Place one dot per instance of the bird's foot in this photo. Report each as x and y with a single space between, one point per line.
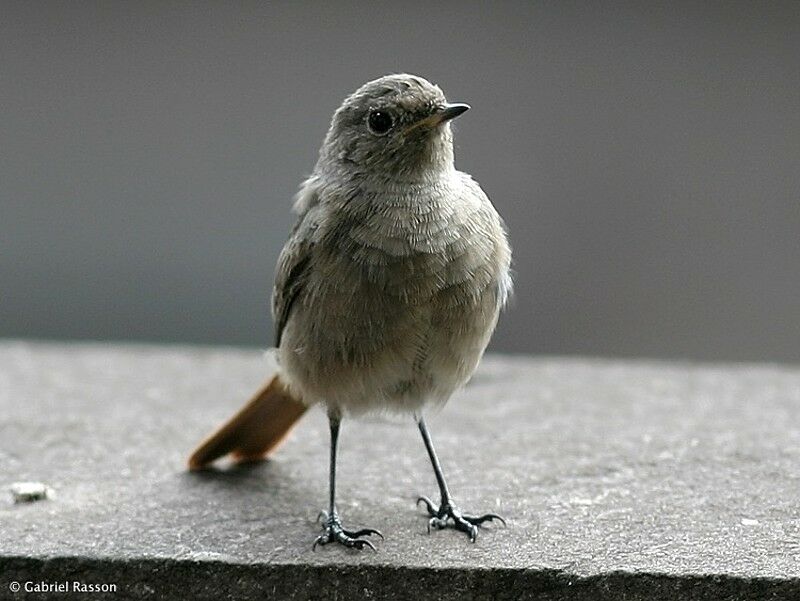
448 514
332 532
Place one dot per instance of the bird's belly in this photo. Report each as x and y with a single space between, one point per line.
397 343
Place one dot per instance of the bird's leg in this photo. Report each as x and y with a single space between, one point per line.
441 516
332 530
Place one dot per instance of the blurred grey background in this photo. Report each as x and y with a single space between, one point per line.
646 158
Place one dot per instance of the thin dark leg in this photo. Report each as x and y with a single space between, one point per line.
437 468
332 525
440 516
334 422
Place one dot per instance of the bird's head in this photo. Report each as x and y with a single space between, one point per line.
397 126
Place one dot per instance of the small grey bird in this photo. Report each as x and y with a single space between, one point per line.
388 289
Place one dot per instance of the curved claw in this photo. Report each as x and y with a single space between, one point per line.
361 543
323 515
363 532
321 540
484 518
432 510
470 529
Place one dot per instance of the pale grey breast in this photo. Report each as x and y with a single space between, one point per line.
398 291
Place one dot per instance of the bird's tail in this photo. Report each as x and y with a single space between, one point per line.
255 430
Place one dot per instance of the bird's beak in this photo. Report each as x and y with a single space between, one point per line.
442 115
450 111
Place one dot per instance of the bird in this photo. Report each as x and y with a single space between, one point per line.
387 291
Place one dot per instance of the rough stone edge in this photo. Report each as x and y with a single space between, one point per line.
184 579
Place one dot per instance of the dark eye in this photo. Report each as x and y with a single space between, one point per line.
379 122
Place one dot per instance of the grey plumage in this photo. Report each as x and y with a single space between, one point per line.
387 290
390 285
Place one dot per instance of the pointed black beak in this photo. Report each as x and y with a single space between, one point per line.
442 115
451 111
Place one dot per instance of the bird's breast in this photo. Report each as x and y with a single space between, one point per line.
402 297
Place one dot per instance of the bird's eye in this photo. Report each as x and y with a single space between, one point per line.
379 122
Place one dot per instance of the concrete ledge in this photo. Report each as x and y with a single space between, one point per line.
620 480
169 579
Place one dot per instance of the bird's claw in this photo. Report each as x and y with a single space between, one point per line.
363 532
332 532
432 511
486 517
442 516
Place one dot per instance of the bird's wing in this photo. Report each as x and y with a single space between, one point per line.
291 272
290 278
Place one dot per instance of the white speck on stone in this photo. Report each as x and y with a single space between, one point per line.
28 492
749 522
590 501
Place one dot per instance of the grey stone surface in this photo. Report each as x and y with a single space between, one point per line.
619 479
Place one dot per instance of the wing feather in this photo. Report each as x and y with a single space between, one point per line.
291 273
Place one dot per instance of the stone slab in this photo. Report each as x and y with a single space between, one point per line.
619 480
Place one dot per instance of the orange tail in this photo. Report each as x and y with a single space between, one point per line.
255 430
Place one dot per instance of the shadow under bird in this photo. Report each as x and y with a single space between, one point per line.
388 289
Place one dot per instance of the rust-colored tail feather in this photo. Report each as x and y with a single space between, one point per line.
255 430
